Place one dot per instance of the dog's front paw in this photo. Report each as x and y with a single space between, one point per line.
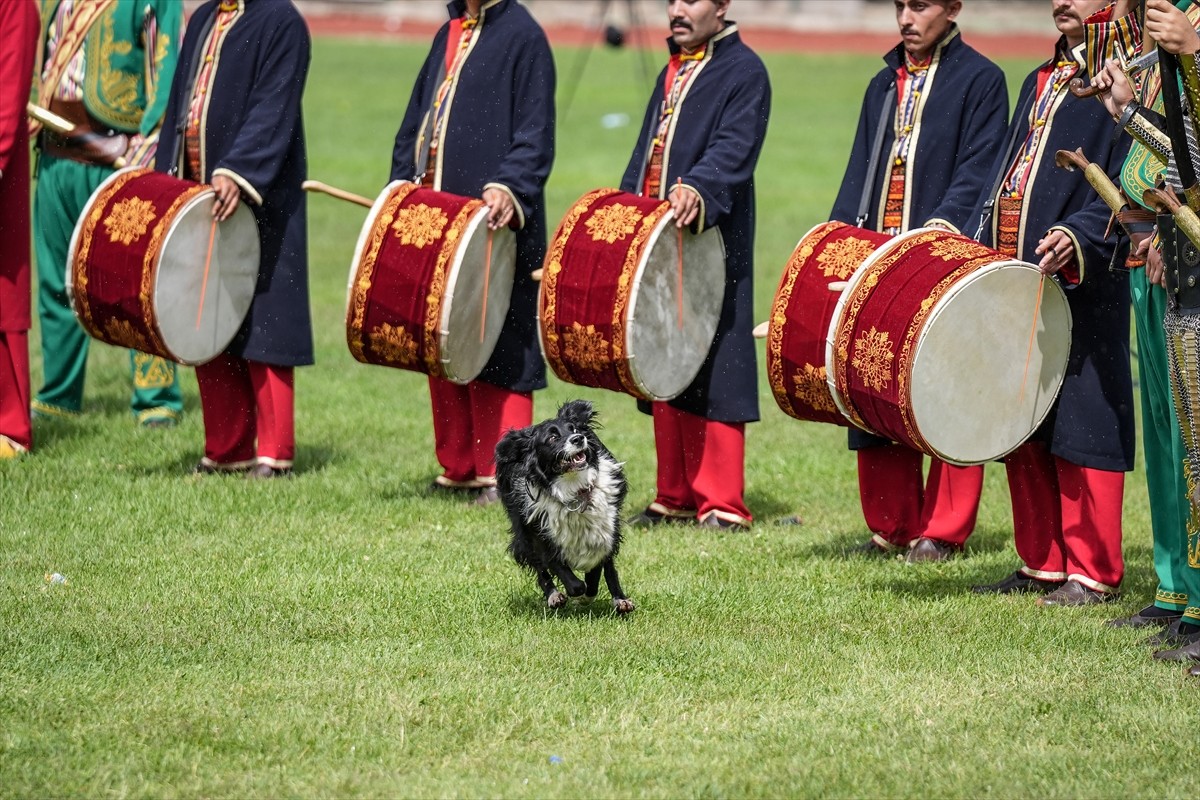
556 599
623 606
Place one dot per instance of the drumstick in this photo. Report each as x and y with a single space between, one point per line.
212 234
341 194
487 274
1037 310
760 330
536 274
679 242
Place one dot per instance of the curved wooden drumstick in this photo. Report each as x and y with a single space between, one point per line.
341 194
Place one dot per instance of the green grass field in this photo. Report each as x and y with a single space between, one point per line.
344 633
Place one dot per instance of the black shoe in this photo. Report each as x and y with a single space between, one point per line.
925 549
443 485
486 497
1016 583
206 466
648 518
1146 618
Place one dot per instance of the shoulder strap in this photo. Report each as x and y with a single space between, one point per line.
1005 163
887 112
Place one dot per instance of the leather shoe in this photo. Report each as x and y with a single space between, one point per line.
715 522
925 549
1141 619
1188 650
872 548
648 518
1168 637
206 466
1074 593
442 484
264 471
1194 671
1018 582
486 497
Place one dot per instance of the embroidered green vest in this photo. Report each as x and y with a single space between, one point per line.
127 80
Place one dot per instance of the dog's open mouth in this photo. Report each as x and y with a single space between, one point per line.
573 463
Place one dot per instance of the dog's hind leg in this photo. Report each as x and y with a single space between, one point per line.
554 598
621 603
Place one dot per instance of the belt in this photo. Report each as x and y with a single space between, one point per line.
1181 259
90 143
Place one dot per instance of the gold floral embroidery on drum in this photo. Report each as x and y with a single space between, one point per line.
585 347
812 389
394 344
419 225
122 331
129 220
873 358
956 248
613 223
841 258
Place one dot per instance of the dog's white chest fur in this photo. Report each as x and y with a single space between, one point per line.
579 514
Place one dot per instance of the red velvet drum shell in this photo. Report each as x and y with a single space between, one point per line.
430 285
619 308
801 314
944 345
148 269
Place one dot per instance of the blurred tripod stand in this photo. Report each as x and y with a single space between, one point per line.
613 37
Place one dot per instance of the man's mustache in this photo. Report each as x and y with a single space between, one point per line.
680 21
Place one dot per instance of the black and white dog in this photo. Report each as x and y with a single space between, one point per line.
563 492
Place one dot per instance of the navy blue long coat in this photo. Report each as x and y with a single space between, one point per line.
499 129
958 129
721 125
1092 424
254 134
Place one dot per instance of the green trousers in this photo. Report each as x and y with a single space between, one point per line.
1171 517
63 189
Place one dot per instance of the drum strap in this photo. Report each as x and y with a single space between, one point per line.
179 157
426 137
887 113
1002 173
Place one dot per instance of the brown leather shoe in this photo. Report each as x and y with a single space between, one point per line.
873 549
265 471
1074 593
486 497
925 549
1194 671
1143 619
713 521
649 517
1018 583
1187 650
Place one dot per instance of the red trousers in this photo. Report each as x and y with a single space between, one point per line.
900 504
1066 518
468 422
701 465
249 412
14 388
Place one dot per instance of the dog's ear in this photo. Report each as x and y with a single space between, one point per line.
514 447
579 413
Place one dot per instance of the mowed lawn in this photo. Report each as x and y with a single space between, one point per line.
345 633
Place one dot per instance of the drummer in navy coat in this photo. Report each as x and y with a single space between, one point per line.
699 144
234 120
480 123
1067 481
943 109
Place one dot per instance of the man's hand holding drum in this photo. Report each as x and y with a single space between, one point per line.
228 196
1057 252
501 206
685 205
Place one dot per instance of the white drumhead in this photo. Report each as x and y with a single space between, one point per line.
198 317
464 352
663 356
969 363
